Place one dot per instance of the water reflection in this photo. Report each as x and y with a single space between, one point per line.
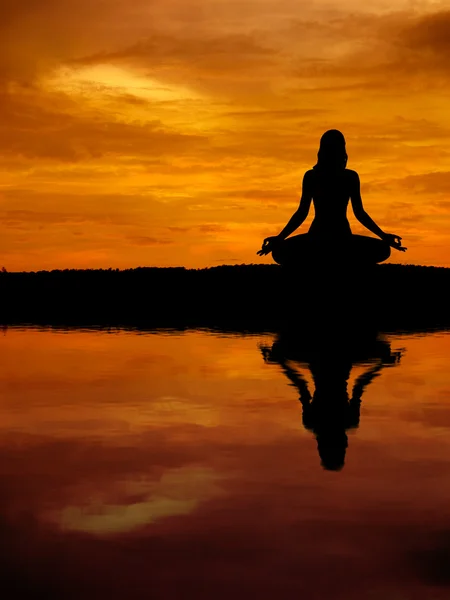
331 410
175 466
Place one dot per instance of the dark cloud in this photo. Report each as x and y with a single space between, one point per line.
428 38
215 63
225 52
212 228
275 113
429 183
263 194
144 240
39 127
37 35
397 51
41 208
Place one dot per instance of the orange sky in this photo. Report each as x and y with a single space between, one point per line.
177 132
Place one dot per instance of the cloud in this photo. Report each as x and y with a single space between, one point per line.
275 114
401 50
338 52
431 184
36 35
225 52
428 39
428 183
212 228
51 127
144 240
52 208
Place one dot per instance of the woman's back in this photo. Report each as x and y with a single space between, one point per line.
330 191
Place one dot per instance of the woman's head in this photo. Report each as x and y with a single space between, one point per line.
332 154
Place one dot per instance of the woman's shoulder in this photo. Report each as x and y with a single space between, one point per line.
309 177
352 174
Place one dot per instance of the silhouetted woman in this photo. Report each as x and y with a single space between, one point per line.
330 185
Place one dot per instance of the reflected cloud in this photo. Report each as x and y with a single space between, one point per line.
134 504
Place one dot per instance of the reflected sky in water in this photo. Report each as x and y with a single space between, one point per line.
201 465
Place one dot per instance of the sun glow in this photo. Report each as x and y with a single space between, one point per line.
104 79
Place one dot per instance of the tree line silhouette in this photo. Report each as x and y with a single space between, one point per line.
247 297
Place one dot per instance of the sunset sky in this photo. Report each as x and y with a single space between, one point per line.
176 132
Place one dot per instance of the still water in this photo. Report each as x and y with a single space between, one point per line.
206 465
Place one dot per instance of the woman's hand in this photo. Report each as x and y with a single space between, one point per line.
395 241
268 245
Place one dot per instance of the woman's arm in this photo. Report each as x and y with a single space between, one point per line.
302 211
355 195
358 208
297 218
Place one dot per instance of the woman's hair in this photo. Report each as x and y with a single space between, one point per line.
332 155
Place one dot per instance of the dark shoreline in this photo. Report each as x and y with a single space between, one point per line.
243 298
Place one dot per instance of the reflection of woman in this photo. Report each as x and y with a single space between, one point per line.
330 185
331 411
